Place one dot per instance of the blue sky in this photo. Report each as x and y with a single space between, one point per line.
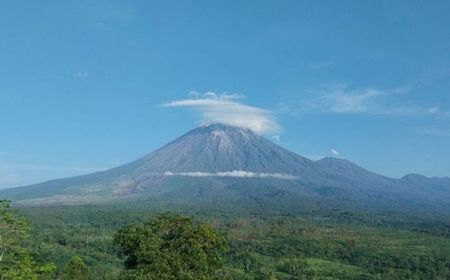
87 85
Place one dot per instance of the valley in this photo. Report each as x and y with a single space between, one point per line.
313 244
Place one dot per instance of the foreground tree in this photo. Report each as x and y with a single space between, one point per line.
75 269
171 247
16 261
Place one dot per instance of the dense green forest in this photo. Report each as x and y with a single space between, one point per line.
260 244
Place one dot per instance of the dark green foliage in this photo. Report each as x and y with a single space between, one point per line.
313 244
171 247
16 261
75 269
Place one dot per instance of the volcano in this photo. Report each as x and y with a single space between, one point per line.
231 165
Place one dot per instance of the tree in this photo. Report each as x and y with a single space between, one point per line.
271 276
75 269
171 247
16 261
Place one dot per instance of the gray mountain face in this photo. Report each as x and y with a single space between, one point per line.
216 148
224 164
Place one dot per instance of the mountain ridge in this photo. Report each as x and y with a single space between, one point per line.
237 164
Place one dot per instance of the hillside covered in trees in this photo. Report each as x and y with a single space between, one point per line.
104 242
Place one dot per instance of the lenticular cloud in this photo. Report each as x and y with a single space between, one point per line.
226 109
234 173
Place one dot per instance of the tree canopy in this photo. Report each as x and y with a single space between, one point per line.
75 269
171 247
16 261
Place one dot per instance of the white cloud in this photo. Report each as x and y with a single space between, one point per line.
234 173
335 153
80 75
227 109
342 99
341 102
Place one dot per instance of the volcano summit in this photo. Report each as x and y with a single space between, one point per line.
235 166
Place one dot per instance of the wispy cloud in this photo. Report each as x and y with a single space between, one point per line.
80 75
340 101
228 109
343 99
234 173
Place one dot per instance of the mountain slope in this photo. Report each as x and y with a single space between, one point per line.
216 148
219 163
207 149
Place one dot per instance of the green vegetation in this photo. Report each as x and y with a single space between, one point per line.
170 247
96 242
16 261
75 269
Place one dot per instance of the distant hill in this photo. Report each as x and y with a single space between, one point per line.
225 165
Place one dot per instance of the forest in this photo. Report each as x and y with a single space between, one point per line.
87 242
